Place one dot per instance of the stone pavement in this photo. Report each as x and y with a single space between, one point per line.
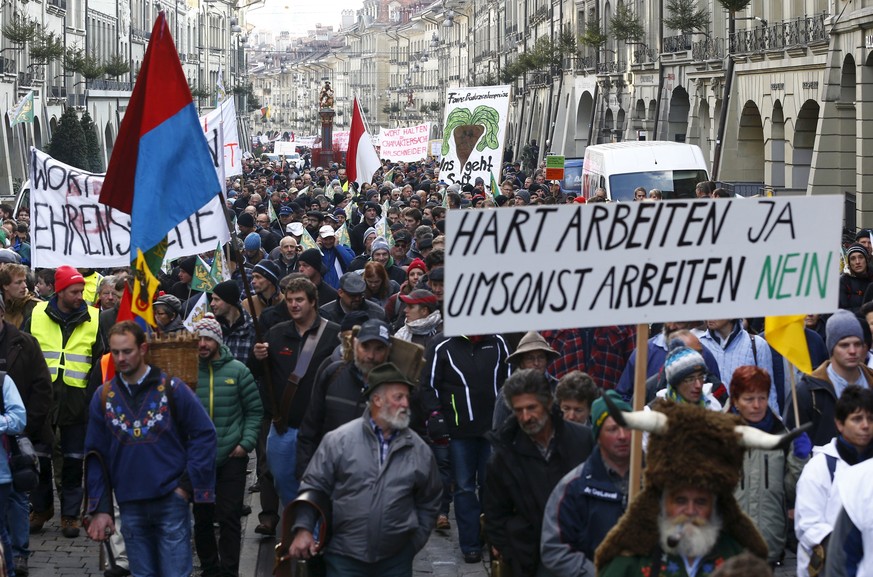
55 556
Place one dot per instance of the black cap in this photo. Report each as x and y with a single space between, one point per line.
228 291
312 257
246 220
353 319
374 330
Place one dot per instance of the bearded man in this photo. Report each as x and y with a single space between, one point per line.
533 450
686 521
379 530
336 398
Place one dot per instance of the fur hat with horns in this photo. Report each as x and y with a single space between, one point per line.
688 447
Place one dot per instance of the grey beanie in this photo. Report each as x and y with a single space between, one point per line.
841 325
379 244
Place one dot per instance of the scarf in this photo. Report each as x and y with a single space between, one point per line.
427 326
674 395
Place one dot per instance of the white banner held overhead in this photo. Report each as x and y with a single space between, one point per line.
282 147
409 144
223 118
555 267
474 131
70 226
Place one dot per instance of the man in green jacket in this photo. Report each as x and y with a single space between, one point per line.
229 394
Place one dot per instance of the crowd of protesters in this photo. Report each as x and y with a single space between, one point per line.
510 430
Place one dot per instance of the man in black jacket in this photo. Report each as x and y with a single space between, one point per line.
460 381
294 350
22 359
336 398
351 298
533 450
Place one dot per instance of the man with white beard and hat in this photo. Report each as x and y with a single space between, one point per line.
378 531
685 522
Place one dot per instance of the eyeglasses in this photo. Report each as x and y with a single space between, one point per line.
694 378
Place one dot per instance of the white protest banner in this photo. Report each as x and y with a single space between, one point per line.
409 144
307 141
435 148
70 226
223 119
556 267
341 140
282 147
474 131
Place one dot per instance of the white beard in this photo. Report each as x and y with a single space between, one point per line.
397 421
696 536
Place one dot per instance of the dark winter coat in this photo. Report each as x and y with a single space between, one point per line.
518 483
336 400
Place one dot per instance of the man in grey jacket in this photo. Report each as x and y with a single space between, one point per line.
378 530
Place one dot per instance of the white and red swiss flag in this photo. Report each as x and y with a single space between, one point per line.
362 162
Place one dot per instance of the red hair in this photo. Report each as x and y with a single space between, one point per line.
749 379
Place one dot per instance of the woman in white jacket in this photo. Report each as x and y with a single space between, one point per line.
818 502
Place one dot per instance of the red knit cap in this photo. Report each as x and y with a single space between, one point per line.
66 276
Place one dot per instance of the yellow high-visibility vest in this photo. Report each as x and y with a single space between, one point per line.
74 358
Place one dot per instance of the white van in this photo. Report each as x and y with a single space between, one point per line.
671 167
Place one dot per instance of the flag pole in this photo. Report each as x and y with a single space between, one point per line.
792 380
240 265
642 360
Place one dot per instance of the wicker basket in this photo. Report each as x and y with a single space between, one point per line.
175 354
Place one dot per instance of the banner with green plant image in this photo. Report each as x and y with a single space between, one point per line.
474 131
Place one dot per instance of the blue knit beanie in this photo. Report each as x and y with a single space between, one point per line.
253 241
681 362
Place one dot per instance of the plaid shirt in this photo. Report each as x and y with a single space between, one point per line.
240 338
602 352
384 442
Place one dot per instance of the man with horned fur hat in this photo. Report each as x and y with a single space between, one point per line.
685 522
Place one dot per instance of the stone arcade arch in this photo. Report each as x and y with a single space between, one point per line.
677 119
804 141
750 145
864 151
775 162
608 126
584 112
848 125
108 141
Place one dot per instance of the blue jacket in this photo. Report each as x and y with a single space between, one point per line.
12 422
581 510
149 449
339 255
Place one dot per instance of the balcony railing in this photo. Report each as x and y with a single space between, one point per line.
58 91
114 85
708 49
677 43
7 66
25 80
645 55
614 67
799 32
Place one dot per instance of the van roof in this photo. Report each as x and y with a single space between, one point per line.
644 156
637 144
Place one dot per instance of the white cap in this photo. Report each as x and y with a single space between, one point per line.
326 231
295 228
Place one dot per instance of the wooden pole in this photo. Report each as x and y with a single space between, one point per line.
794 395
642 359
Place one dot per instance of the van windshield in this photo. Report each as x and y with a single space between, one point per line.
671 183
